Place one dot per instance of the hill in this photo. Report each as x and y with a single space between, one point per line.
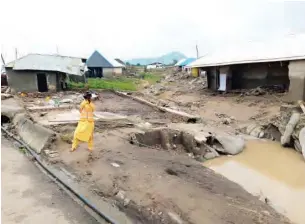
165 59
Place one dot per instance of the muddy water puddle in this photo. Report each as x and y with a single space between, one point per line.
274 174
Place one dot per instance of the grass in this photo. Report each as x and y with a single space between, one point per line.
151 78
120 83
115 84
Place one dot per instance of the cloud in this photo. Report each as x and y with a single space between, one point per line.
134 28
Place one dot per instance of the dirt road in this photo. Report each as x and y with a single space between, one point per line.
28 196
153 185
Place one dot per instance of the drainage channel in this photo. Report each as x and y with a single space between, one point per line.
62 184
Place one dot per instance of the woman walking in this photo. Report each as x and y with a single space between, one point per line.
85 127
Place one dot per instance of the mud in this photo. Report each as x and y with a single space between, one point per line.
278 181
161 185
110 102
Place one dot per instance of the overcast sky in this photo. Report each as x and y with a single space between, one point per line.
135 28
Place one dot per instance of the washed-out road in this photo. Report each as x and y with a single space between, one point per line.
29 196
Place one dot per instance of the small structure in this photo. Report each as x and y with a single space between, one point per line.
100 67
280 62
182 64
43 73
155 65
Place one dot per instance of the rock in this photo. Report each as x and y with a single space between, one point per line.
230 144
121 195
200 138
88 172
286 138
226 121
115 165
297 145
5 96
261 134
175 217
66 101
8 90
254 130
126 202
211 153
302 141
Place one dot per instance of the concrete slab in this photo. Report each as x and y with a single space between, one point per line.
35 135
10 107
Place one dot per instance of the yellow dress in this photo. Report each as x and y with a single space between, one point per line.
85 127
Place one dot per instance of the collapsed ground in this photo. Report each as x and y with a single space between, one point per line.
151 182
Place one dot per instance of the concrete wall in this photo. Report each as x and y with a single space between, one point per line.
108 72
212 78
26 81
118 71
297 80
248 76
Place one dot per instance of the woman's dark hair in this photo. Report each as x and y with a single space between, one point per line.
87 96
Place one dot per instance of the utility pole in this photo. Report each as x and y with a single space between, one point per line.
197 51
2 58
16 54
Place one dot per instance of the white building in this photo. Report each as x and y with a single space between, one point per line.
155 65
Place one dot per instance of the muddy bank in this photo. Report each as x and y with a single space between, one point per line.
158 186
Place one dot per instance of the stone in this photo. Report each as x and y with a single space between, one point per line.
286 138
175 217
302 141
226 121
200 138
121 195
230 144
66 101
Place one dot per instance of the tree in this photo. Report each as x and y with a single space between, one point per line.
138 64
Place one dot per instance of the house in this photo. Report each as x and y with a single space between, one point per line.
280 62
43 73
99 66
155 65
182 64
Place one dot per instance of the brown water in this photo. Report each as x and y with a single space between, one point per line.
267 170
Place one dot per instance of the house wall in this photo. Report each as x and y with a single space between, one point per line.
212 78
297 80
26 81
108 72
118 71
247 76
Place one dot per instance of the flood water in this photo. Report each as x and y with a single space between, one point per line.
267 170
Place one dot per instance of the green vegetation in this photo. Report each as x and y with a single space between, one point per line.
151 78
115 84
119 83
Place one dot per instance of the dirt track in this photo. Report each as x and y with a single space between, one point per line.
161 182
157 186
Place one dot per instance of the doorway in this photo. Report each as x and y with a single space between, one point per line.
42 82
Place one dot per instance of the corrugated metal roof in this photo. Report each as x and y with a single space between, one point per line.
187 61
180 61
98 60
116 64
40 62
282 49
120 61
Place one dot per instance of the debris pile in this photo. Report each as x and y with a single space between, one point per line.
288 127
199 146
